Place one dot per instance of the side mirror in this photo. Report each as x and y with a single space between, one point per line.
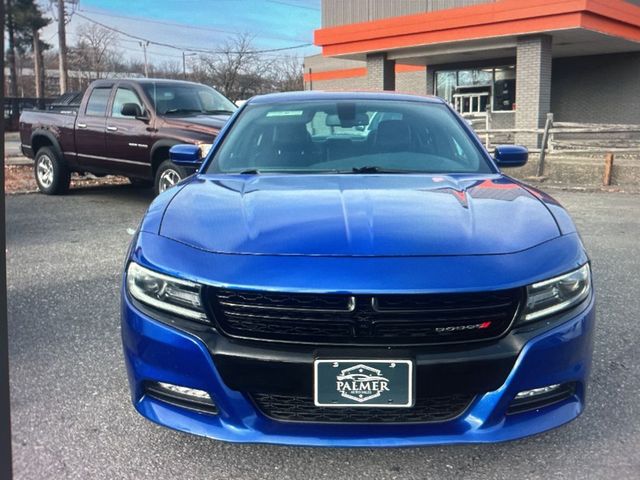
133 110
186 155
507 156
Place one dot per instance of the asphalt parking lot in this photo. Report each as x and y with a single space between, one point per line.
71 413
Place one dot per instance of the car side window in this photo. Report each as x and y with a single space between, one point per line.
124 95
97 103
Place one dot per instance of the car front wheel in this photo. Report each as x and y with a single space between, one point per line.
167 176
52 174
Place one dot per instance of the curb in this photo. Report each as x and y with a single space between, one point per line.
17 160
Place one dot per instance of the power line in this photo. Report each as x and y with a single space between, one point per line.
151 52
186 49
181 25
158 53
160 22
297 5
130 49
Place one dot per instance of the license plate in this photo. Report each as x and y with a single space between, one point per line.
363 383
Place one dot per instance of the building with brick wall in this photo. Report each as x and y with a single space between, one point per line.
579 59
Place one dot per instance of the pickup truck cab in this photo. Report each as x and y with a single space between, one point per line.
123 127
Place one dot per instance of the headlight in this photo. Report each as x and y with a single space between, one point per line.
204 149
557 294
165 293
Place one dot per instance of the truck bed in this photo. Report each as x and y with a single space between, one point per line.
60 123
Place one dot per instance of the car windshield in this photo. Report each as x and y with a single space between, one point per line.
187 99
359 136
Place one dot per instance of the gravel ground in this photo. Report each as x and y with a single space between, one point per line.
19 178
70 406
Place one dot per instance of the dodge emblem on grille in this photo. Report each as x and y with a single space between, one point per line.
361 383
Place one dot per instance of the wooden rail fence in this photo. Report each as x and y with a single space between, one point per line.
563 138
568 137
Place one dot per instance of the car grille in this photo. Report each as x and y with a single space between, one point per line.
302 409
336 319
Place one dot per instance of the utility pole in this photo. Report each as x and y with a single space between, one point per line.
184 62
38 67
62 42
144 46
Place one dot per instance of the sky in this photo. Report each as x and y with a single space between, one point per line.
199 24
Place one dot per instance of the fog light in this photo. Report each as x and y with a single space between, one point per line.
537 398
186 391
186 397
537 391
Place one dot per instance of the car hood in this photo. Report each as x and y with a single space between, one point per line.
357 215
211 123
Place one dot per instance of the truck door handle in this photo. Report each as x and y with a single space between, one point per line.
81 125
112 129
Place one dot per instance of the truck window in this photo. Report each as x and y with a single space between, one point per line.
186 99
124 95
97 103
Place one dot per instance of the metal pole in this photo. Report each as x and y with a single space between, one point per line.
144 46
487 126
62 48
5 417
184 66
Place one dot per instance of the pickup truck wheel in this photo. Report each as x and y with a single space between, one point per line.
167 176
52 174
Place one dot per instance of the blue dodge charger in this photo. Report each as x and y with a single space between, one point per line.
353 269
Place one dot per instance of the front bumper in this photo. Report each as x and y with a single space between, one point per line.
155 351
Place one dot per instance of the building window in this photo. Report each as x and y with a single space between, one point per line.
504 88
446 83
472 90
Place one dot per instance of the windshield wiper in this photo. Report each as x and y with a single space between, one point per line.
218 112
255 171
182 110
376 169
366 169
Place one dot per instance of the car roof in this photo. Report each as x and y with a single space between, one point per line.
111 81
313 95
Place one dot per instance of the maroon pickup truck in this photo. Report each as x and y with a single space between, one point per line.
123 127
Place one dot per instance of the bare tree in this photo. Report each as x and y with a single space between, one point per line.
167 69
95 51
238 71
128 65
287 74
